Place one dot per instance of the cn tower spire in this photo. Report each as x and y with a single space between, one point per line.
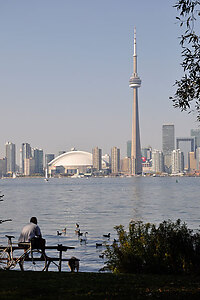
135 83
134 54
134 49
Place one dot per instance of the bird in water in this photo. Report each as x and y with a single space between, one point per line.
106 235
77 230
59 233
98 245
79 233
64 231
84 239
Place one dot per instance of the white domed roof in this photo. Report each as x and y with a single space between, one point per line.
72 158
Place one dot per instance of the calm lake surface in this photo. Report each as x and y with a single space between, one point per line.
97 204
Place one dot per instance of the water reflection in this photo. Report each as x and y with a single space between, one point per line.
97 204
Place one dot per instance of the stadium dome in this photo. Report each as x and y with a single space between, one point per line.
72 160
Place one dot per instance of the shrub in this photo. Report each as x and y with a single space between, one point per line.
168 248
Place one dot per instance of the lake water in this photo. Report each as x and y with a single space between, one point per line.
97 204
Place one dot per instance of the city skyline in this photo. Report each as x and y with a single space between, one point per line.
170 141
181 159
65 68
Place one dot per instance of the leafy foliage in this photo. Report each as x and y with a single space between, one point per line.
169 248
188 87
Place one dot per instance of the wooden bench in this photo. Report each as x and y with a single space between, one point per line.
60 248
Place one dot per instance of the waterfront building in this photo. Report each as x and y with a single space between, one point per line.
29 166
38 157
128 148
72 162
192 162
25 152
135 83
177 161
147 167
106 161
147 153
126 165
157 161
115 160
2 167
97 159
48 159
186 145
168 138
10 157
196 133
198 158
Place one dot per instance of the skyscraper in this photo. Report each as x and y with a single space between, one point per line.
192 164
38 156
29 166
177 161
157 161
25 152
147 153
135 83
167 145
168 138
196 133
128 149
115 160
2 167
97 158
48 158
10 157
198 158
186 145
126 165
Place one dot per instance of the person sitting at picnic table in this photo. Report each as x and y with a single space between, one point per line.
32 233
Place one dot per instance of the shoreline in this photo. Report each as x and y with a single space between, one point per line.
107 176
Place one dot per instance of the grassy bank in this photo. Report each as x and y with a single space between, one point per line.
49 285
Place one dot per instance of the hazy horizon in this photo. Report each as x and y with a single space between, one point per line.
65 69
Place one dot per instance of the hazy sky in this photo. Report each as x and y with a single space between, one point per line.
65 67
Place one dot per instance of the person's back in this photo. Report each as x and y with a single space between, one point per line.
30 231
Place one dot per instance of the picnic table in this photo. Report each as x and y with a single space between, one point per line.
57 261
60 248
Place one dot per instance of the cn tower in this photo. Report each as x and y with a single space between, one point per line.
135 83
